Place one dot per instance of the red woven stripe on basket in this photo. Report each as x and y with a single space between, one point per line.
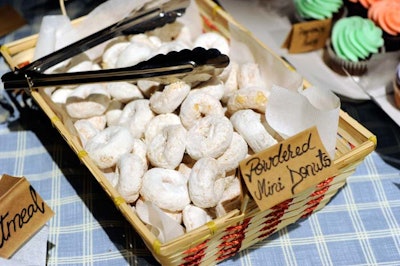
197 253
326 182
239 228
275 215
314 204
209 23
283 205
232 241
321 191
268 233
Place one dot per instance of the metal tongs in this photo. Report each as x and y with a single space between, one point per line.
185 64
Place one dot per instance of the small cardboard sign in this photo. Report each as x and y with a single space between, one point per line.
287 168
22 213
308 36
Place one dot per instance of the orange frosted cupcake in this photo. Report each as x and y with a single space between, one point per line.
386 15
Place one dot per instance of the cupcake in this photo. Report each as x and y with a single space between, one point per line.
386 15
353 41
396 87
307 10
358 7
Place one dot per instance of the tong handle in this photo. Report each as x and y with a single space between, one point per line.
135 23
33 79
163 68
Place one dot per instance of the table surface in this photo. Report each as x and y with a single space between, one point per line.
359 226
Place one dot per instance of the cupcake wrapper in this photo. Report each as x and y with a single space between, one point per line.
341 66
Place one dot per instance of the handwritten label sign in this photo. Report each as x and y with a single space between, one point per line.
308 36
22 213
287 168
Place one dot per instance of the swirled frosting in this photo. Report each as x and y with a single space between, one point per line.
364 3
386 14
317 9
355 38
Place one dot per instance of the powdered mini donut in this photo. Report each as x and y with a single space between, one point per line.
185 36
185 169
110 175
158 123
133 54
213 40
236 152
151 41
210 136
168 32
167 148
96 67
168 100
194 217
111 54
213 87
113 112
148 87
176 216
206 183
248 124
197 105
81 66
124 91
254 97
140 149
87 100
109 145
166 188
135 116
230 78
99 122
130 170
86 130
249 75
167 47
60 95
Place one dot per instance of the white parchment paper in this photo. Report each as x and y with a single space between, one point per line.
160 224
291 111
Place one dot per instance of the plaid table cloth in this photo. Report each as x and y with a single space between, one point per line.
359 226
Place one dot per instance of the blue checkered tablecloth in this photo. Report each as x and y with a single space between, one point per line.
359 226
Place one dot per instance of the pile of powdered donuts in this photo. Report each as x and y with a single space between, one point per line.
176 145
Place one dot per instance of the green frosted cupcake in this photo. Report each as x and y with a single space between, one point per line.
318 9
353 41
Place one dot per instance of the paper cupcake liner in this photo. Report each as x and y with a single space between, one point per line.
341 66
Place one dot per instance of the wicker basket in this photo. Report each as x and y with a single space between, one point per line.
225 236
